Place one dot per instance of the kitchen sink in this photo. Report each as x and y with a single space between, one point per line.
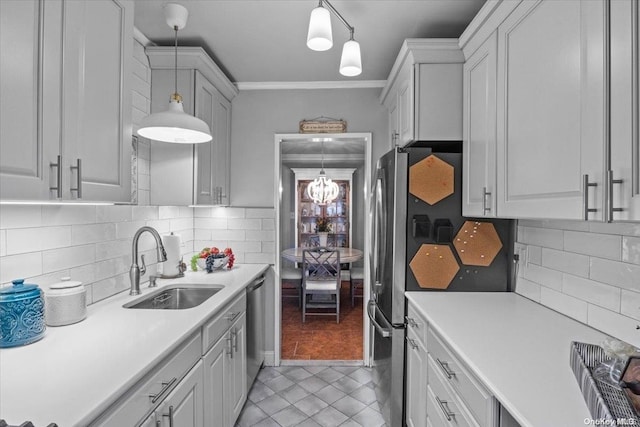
176 297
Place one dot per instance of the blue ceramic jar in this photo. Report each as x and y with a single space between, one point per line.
21 314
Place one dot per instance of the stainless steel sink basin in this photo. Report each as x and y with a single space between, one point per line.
176 297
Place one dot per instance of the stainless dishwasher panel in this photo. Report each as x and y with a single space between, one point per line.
255 329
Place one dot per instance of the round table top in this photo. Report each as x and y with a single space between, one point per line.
347 255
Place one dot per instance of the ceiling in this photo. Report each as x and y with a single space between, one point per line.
265 40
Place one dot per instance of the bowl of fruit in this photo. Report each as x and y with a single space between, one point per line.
211 259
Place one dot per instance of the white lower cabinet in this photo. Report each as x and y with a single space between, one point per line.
416 411
202 383
225 384
440 390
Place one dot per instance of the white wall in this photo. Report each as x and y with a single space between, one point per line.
258 115
586 270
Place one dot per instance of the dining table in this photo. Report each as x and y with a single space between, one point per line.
347 255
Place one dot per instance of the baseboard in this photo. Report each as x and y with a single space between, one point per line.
294 362
269 358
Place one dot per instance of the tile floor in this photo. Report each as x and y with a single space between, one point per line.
320 337
310 396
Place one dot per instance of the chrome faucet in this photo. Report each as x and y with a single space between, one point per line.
135 272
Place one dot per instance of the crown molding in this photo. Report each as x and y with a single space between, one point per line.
338 84
141 38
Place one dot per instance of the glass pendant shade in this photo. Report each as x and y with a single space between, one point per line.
322 190
174 125
351 63
319 36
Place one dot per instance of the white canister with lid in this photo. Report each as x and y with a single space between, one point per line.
65 303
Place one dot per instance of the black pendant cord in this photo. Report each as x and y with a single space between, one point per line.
175 62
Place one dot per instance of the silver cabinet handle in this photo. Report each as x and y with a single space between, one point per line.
58 187
444 407
445 368
384 332
78 188
610 182
485 193
585 196
412 343
165 387
158 423
170 416
234 336
230 342
411 322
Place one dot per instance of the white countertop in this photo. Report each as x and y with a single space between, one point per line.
75 372
517 348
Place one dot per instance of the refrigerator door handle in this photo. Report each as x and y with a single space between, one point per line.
371 311
378 222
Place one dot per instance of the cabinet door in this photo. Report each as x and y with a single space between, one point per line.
238 373
29 105
222 150
97 98
479 124
216 364
394 133
205 103
184 405
551 115
406 107
150 421
438 102
625 116
416 414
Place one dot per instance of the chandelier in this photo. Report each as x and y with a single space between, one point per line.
322 190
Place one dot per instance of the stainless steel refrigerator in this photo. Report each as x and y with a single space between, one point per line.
417 228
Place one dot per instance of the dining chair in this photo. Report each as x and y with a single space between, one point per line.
356 281
321 276
292 275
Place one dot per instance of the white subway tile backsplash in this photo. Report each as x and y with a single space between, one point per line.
113 213
591 291
260 213
16 216
600 267
244 246
22 240
564 303
92 233
111 267
210 223
616 273
599 245
567 262
261 235
528 289
20 266
228 212
259 258
68 215
631 249
84 273
545 237
144 213
615 324
268 224
111 286
113 249
3 242
167 212
202 212
64 258
630 304
237 235
162 226
244 224
543 276
181 224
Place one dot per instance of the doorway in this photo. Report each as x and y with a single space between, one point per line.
321 338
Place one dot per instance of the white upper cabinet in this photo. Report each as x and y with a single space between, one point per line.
551 110
66 100
196 173
479 129
625 116
423 93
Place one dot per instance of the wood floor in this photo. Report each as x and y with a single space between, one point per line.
320 337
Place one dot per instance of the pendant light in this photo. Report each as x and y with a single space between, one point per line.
319 38
322 190
174 125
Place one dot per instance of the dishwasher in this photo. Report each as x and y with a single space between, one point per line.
255 329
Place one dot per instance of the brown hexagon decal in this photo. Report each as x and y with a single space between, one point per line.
431 179
434 266
477 243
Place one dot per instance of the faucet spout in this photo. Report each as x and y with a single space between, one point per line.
134 271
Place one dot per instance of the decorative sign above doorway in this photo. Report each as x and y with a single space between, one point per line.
323 125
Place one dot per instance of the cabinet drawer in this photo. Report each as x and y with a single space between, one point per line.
417 324
443 408
479 401
218 325
149 393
